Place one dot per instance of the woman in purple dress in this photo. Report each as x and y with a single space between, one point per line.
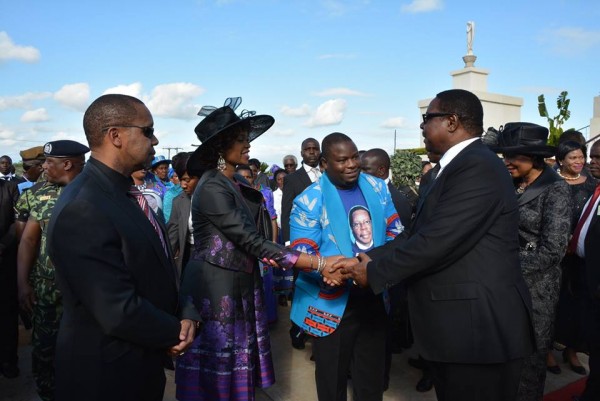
231 355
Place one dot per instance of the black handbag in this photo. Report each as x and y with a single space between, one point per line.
265 228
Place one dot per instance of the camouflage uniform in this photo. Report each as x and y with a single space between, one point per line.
47 310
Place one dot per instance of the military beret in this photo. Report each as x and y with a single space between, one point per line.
64 148
35 153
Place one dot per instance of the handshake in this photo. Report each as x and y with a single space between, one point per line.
339 269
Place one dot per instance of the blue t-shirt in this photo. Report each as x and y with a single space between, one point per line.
359 219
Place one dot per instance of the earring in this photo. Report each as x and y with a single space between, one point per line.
221 166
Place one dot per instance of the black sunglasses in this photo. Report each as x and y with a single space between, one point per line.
146 131
428 116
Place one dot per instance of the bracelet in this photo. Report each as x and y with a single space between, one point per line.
311 262
321 264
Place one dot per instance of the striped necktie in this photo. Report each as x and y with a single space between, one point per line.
572 247
143 203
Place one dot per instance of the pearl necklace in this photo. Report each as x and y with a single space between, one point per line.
569 178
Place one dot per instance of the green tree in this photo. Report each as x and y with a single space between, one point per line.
406 168
264 167
555 123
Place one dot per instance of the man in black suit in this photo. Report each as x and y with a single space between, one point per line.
293 185
376 162
9 307
114 267
586 241
298 181
469 305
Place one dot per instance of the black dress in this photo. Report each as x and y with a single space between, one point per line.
569 314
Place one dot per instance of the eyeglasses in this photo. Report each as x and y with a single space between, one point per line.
289 165
361 224
146 131
428 116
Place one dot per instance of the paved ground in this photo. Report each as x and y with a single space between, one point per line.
288 363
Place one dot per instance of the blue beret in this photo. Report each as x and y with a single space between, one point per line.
64 148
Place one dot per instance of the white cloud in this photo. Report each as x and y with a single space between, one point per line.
281 132
10 51
35 116
336 56
73 137
570 40
22 101
6 134
422 6
395 122
174 100
134 89
329 113
74 96
339 92
301 111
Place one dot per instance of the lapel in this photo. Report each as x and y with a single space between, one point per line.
304 178
136 215
548 177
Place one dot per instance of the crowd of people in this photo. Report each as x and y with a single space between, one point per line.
131 262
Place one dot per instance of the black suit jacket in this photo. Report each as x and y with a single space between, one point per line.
293 185
119 292
178 228
402 205
467 298
592 256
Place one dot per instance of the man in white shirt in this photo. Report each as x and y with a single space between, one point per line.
588 250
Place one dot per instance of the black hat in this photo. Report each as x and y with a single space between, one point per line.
218 122
524 139
65 148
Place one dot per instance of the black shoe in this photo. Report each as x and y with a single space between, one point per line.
416 363
580 370
298 337
554 369
425 384
9 370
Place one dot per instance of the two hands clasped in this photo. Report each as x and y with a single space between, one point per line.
336 270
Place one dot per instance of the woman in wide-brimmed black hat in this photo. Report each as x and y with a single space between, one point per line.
544 220
231 355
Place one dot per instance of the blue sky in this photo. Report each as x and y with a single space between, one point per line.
317 66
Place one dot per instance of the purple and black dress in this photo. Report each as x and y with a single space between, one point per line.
232 353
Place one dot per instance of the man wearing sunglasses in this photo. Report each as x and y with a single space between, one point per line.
469 305
114 267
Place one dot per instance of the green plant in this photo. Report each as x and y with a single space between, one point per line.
406 168
555 123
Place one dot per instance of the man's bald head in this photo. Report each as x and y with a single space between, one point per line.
376 162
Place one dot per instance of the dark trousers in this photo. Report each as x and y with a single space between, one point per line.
592 387
9 308
476 382
358 347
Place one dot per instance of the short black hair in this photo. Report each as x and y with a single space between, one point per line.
380 155
466 106
243 167
331 140
180 163
572 135
566 147
277 172
107 110
254 162
304 142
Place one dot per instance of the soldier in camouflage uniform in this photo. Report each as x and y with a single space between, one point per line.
38 292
